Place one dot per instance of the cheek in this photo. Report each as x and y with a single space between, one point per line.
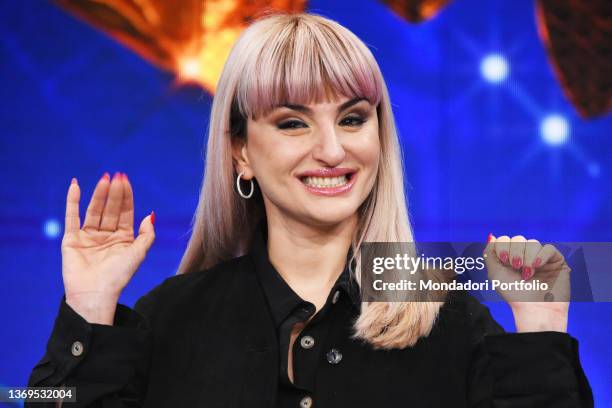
366 149
372 154
273 157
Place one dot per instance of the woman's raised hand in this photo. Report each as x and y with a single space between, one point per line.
99 259
516 261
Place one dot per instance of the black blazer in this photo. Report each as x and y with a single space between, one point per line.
206 339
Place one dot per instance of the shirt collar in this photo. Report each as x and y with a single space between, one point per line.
281 298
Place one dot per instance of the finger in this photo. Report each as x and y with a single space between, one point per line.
146 236
126 217
489 250
502 248
96 204
544 255
532 248
110 215
517 251
490 246
72 223
490 241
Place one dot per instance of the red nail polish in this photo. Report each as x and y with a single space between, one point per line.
117 174
489 237
517 262
537 262
526 274
106 175
153 217
504 257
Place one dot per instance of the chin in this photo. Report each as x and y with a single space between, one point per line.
331 216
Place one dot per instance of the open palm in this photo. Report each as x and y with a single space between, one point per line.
99 259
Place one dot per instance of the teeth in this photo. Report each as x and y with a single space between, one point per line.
323 182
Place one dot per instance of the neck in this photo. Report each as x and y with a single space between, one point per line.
309 258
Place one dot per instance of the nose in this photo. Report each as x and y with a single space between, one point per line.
328 148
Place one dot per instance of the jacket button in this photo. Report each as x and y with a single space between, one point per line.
307 342
307 309
334 356
77 348
306 402
336 296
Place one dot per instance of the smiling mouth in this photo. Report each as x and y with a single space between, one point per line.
327 182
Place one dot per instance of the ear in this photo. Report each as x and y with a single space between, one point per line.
240 158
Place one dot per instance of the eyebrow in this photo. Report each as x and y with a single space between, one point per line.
307 110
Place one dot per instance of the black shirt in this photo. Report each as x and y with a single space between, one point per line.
315 344
219 338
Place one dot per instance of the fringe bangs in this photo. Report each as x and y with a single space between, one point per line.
307 61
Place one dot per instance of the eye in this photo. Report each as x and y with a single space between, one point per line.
352 121
291 124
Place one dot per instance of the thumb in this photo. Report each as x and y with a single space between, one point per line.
488 250
146 235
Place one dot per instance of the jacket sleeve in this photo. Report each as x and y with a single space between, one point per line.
108 365
521 370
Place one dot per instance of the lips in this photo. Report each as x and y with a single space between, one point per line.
328 181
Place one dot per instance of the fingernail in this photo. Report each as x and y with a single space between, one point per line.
489 237
74 181
153 217
517 262
106 175
526 274
537 262
125 177
116 175
504 257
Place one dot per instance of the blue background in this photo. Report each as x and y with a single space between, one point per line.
77 103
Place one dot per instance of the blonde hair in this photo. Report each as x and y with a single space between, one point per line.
303 58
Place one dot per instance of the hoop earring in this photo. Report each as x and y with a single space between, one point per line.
238 187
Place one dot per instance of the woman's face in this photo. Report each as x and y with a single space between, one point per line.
315 163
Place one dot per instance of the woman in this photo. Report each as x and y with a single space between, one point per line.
302 166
